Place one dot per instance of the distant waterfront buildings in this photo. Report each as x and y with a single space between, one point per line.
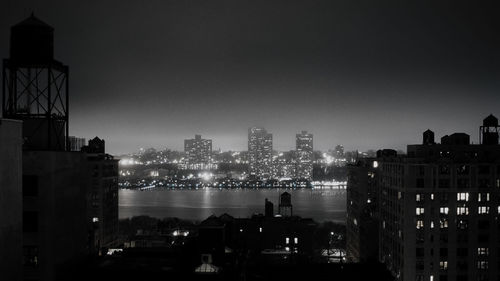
260 152
198 153
304 155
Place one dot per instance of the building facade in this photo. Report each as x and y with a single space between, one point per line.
11 199
260 152
304 154
362 216
198 153
102 197
440 206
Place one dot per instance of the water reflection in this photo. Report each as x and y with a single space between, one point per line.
319 204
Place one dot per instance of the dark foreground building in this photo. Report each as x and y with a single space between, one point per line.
57 183
439 207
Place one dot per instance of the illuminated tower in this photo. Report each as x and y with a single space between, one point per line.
35 86
304 146
260 152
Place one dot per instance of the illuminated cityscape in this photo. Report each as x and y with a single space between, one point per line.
249 140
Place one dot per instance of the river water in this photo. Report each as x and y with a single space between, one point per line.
319 204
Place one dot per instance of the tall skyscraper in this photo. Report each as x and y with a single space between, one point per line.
198 152
304 154
260 152
439 207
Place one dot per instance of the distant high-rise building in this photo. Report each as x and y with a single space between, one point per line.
339 151
76 143
260 152
11 232
198 153
304 155
439 207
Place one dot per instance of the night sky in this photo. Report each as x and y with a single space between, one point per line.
365 74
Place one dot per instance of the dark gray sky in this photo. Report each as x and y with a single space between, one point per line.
362 73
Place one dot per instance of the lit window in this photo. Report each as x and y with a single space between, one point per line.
462 210
287 240
431 278
463 196
419 211
419 197
296 240
482 264
432 196
420 224
483 210
482 251
443 223
443 265
260 229
483 197
444 210
432 224
95 219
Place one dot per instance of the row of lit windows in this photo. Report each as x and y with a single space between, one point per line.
461 196
481 210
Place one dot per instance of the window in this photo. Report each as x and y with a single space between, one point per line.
483 197
420 183
463 183
462 211
443 223
463 196
483 224
419 197
482 251
30 256
483 169
444 183
462 224
419 211
462 252
444 170
30 221
443 252
420 224
463 170
30 185
482 264
444 210
443 265
419 252
483 210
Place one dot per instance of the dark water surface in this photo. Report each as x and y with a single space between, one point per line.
319 204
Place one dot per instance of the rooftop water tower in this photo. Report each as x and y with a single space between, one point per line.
35 86
488 133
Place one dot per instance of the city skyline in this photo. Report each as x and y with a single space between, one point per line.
357 74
